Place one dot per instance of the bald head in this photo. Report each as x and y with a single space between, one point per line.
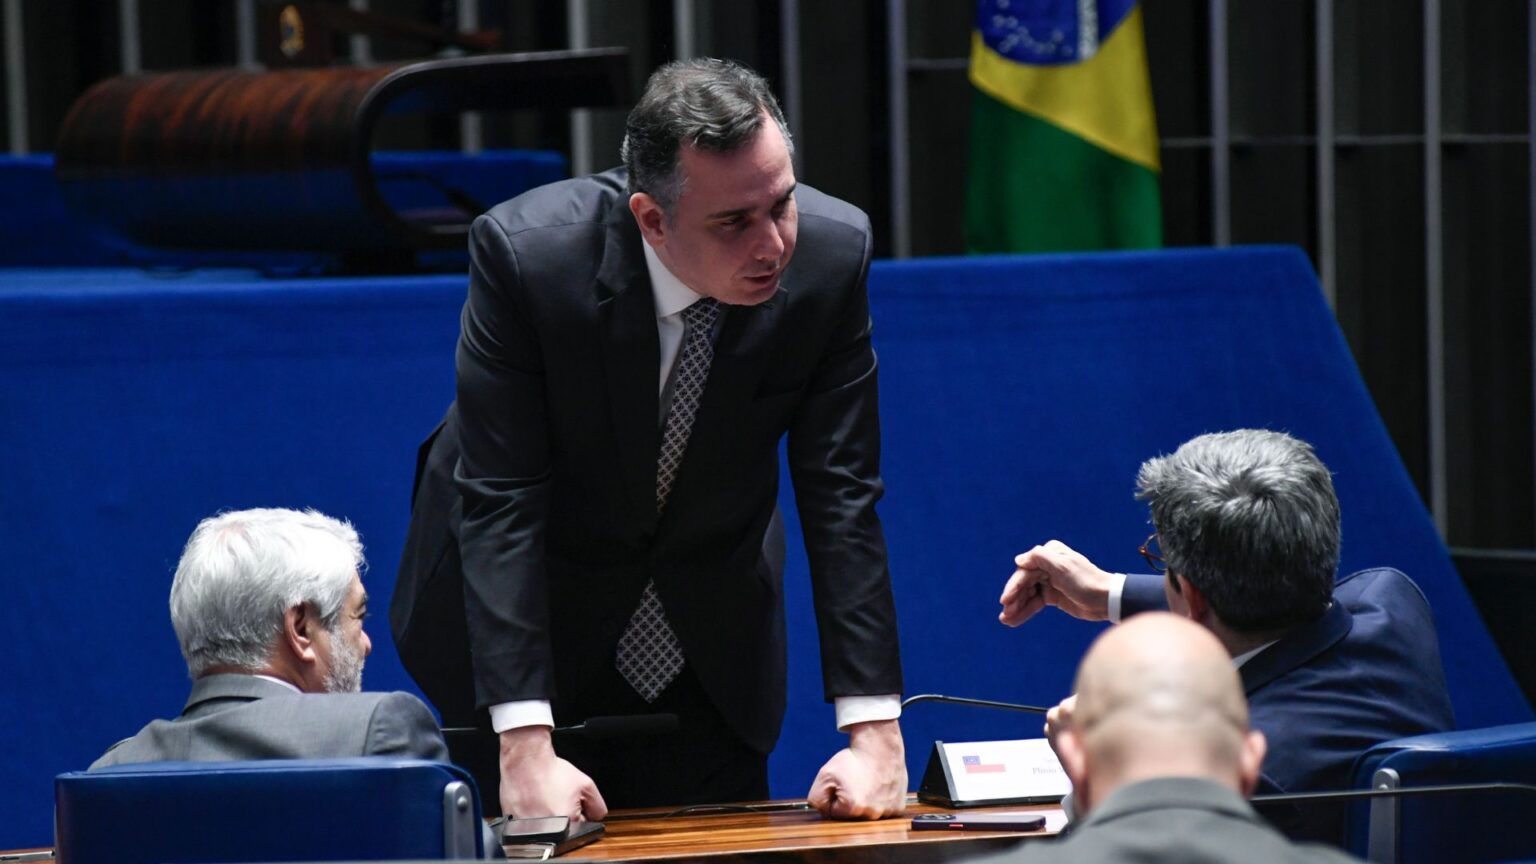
1157 696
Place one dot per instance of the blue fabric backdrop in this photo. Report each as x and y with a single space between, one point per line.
41 230
1018 397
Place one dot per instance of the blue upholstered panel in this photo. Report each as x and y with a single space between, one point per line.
41 230
1474 827
1018 397
280 810
133 405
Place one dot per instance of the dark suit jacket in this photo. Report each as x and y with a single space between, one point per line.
1176 819
553 443
245 717
1367 671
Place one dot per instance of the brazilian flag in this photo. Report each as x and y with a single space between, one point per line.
1063 137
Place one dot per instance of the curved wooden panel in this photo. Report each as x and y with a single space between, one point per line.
279 160
214 122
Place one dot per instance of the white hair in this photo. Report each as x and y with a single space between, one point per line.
241 571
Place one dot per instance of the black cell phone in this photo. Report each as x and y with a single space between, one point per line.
544 829
529 839
978 822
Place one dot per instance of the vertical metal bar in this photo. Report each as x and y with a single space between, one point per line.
1221 133
128 36
1327 239
1530 189
789 63
901 188
471 124
682 29
1385 819
581 118
245 33
361 46
15 80
1434 275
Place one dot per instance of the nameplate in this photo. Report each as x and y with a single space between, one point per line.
984 773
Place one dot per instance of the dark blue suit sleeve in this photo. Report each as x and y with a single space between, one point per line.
1143 592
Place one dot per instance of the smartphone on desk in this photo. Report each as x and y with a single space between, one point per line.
978 822
545 829
546 837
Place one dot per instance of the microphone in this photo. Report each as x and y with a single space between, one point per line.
980 703
942 786
621 726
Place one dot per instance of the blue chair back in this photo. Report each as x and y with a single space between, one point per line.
371 808
1462 827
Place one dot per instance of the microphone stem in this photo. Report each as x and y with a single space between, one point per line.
962 700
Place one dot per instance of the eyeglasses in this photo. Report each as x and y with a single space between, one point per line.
1154 555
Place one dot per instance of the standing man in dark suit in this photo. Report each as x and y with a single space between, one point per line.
268 608
594 528
1161 757
1248 526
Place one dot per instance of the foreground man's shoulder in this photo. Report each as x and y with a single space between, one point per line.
819 206
579 201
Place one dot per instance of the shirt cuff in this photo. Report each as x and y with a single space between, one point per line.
863 709
1116 588
516 715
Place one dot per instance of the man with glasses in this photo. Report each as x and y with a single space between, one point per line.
1247 542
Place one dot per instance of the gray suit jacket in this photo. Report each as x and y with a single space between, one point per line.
245 717
1175 819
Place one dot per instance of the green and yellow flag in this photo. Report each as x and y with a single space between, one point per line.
1063 136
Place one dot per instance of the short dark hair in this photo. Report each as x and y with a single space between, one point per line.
714 105
1251 519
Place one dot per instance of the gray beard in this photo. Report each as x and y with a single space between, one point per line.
346 673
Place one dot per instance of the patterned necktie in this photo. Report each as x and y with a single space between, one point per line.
648 655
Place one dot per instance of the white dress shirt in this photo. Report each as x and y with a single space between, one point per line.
671 297
279 681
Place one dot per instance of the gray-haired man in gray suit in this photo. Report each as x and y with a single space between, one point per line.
268 606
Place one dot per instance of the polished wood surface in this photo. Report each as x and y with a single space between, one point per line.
800 835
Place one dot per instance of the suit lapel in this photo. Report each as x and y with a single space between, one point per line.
631 355
1297 647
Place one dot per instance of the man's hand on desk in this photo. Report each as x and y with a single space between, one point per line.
868 779
1059 719
536 782
1054 575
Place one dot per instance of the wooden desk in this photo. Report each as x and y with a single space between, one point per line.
793 837
798 836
